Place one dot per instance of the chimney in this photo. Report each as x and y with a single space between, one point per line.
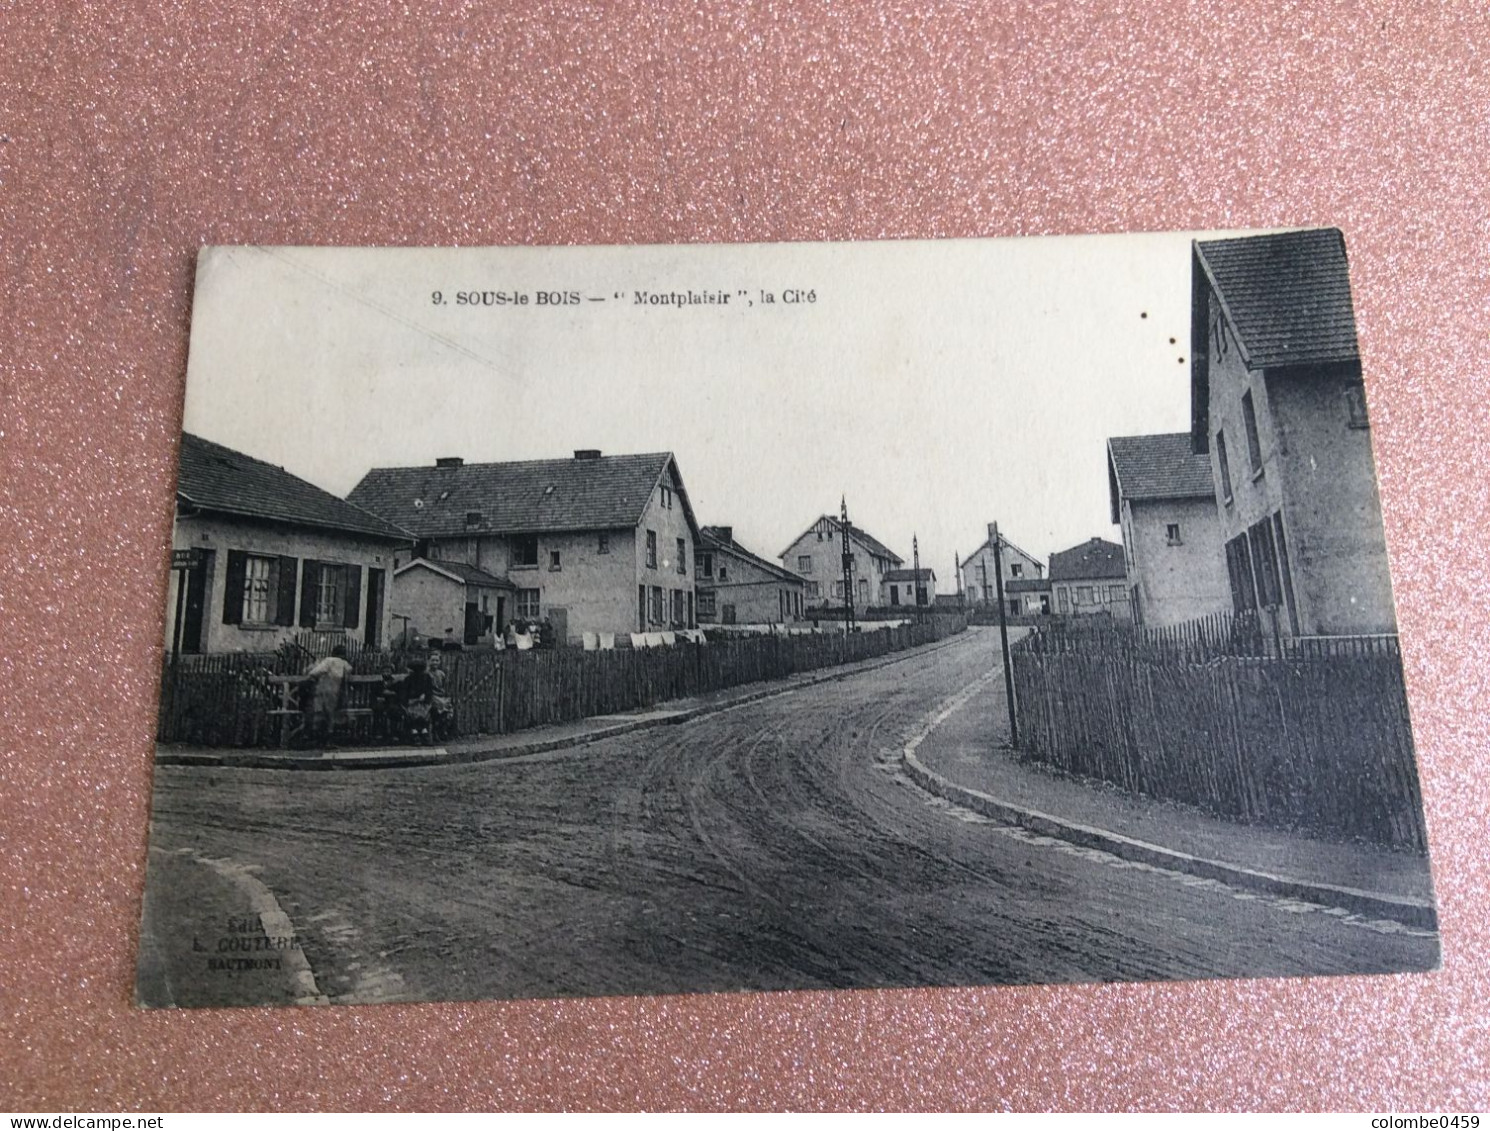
473 518
587 453
449 461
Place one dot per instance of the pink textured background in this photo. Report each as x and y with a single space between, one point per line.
132 133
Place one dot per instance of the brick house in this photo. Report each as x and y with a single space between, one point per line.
1278 406
1162 495
1091 579
979 577
738 587
816 556
594 544
266 555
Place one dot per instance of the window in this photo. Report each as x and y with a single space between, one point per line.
1355 406
667 498
863 591
651 549
1013 606
525 550
894 594
813 591
258 592
704 564
838 590
656 613
1084 595
603 544
706 604
682 556
554 560
1254 443
1117 594
1016 569
1065 598
1225 467
723 573
1172 533
804 563
680 608
330 596
528 604
330 600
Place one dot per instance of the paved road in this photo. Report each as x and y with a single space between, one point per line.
769 847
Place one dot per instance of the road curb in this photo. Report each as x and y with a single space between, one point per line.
440 756
1402 909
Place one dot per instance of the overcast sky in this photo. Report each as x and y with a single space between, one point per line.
939 385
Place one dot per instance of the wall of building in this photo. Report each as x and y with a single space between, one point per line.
897 593
430 602
1109 596
1175 581
670 524
219 534
596 592
1331 508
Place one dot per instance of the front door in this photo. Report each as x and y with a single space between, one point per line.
196 603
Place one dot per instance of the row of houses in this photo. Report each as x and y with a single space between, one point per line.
593 544
1269 503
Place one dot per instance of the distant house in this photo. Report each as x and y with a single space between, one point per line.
816 556
979 575
265 555
1090 579
439 597
737 587
593 544
907 587
1162 495
1278 405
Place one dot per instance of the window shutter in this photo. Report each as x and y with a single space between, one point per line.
310 583
284 591
353 604
232 597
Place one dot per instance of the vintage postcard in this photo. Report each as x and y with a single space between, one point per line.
644 620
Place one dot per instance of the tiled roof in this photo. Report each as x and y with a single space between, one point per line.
909 575
526 497
868 541
1287 296
1160 467
1094 559
471 575
713 538
218 479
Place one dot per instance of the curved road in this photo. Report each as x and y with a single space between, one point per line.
772 846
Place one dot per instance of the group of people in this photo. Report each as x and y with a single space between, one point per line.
409 705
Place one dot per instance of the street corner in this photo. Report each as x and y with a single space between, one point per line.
213 936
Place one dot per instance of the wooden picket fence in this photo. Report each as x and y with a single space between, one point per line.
1316 738
224 700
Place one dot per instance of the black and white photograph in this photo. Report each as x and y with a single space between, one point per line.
577 621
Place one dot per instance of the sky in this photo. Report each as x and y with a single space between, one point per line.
937 385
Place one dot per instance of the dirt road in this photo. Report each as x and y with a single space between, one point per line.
773 846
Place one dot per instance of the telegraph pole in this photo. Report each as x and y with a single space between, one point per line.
848 569
998 577
957 573
916 572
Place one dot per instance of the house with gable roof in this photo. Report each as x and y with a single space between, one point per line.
265 555
593 544
736 586
980 575
1278 406
1091 579
816 556
1162 495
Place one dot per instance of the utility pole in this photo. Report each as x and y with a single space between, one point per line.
916 573
957 573
998 576
848 569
